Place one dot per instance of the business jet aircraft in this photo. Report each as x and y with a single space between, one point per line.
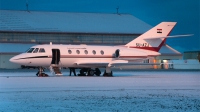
90 58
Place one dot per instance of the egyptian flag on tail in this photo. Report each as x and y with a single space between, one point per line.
159 30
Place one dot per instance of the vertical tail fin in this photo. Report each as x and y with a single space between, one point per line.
154 38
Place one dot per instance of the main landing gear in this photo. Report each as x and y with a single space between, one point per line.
96 71
41 73
89 72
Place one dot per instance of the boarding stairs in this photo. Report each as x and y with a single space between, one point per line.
55 69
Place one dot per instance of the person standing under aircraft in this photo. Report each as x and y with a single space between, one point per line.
72 70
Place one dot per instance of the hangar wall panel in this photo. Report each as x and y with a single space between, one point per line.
6 64
191 55
66 38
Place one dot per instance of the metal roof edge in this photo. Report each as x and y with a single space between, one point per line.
68 12
52 32
10 53
191 51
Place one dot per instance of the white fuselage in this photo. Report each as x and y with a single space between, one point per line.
72 55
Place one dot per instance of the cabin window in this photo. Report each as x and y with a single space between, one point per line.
70 51
86 52
94 52
36 50
102 52
77 51
30 50
42 50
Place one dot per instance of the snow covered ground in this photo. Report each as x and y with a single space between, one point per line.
146 91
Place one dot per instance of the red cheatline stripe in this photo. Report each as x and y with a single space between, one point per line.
159 29
97 56
133 57
86 56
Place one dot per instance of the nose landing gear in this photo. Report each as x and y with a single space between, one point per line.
41 73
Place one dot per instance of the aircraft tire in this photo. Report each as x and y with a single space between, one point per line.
42 75
91 72
97 72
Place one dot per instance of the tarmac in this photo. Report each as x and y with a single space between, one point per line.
128 90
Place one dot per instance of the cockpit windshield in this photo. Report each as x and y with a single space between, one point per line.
30 50
35 50
27 50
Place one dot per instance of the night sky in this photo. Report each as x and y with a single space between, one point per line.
185 12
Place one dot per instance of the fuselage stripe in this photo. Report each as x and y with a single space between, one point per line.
74 56
33 57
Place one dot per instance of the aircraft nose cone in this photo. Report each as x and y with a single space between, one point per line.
19 59
13 60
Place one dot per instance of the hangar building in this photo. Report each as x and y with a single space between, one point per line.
19 30
69 28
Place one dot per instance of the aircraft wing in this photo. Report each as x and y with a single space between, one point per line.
92 63
111 63
125 62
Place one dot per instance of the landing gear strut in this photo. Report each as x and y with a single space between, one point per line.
108 72
41 73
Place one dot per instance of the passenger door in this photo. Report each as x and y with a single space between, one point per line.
55 56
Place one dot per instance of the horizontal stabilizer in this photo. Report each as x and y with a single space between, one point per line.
175 36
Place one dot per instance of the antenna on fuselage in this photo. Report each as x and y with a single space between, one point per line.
50 43
27 6
117 9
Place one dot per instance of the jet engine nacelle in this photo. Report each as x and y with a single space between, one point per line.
130 53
